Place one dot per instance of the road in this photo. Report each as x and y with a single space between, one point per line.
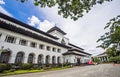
101 70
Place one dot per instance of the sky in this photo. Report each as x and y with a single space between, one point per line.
84 32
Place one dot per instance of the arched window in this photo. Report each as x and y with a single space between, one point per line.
40 59
47 59
53 60
58 60
5 56
19 57
30 58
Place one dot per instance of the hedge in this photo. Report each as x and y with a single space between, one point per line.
5 67
26 66
115 59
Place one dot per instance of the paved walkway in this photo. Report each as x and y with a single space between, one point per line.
101 70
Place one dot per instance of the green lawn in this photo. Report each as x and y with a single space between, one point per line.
19 72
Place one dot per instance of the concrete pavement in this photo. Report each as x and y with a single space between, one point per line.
101 70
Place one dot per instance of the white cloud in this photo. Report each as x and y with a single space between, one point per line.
2 2
33 21
86 30
2 10
44 26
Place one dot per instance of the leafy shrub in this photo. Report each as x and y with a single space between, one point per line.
12 70
8 66
66 64
96 60
115 59
59 65
47 65
2 67
26 66
5 67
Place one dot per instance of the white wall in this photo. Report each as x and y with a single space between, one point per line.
60 36
15 48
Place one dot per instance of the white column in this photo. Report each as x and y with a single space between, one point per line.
63 59
3 37
44 57
12 58
50 60
56 60
36 59
28 44
38 46
25 58
17 40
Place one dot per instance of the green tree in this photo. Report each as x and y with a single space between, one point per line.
111 52
69 8
115 59
112 37
96 60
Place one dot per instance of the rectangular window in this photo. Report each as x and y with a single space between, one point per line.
48 48
23 42
59 50
41 46
53 49
33 44
10 39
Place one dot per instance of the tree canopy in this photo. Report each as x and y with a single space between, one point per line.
113 54
112 37
69 8
96 59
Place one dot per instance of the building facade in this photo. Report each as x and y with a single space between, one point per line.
103 57
21 43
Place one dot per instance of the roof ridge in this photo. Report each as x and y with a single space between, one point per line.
25 25
56 28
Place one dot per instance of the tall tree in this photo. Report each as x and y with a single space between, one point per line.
69 8
112 37
111 40
111 52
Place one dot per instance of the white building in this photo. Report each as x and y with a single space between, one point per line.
103 57
21 43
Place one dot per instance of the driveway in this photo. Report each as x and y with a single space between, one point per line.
101 70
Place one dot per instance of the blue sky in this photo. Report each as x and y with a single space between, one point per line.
83 32
22 11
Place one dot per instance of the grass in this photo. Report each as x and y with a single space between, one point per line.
7 72
19 72
59 68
